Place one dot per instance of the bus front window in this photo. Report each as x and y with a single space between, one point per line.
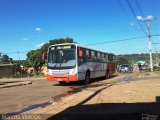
62 58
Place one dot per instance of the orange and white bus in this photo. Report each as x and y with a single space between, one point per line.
73 62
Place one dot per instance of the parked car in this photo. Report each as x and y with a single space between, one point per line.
125 68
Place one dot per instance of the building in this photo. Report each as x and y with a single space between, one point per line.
6 69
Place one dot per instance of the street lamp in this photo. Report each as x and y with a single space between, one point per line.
147 20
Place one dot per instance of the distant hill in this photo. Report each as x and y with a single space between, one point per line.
133 58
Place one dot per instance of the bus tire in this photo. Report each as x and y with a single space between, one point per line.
61 82
87 78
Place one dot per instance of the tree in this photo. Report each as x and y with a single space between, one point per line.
34 57
35 60
25 63
69 40
56 41
122 60
21 67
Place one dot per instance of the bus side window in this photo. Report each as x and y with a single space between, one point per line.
87 55
84 55
106 57
92 56
98 57
110 58
102 57
113 58
95 56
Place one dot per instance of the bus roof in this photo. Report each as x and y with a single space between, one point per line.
78 45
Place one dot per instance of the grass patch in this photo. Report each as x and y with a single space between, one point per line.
20 76
147 74
14 76
156 69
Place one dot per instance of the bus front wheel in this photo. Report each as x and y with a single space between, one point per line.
87 78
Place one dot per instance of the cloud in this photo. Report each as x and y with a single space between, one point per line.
139 18
132 24
38 29
25 39
39 45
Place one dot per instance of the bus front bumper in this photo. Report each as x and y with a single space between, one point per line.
66 78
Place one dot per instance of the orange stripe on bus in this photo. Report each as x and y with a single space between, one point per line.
62 78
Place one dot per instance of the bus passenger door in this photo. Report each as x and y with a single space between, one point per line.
81 67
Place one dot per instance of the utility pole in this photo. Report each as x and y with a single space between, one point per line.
147 20
149 44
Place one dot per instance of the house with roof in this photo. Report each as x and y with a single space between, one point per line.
6 67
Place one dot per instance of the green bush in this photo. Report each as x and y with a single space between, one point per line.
15 76
155 68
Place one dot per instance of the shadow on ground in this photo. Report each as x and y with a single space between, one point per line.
110 111
81 83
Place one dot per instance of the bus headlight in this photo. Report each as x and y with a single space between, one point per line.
73 71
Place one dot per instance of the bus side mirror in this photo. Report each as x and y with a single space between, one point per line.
43 56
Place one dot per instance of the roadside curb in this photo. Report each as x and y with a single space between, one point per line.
22 79
6 85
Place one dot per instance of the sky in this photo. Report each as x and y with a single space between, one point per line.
27 24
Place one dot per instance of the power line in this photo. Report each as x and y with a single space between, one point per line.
155 43
132 10
121 40
125 12
18 52
139 7
154 8
155 35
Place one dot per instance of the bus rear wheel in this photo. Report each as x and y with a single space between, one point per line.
62 82
87 78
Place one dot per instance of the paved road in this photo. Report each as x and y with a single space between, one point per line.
40 91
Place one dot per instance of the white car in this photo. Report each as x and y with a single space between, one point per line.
125 68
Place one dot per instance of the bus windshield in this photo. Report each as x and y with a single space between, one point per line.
62 58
